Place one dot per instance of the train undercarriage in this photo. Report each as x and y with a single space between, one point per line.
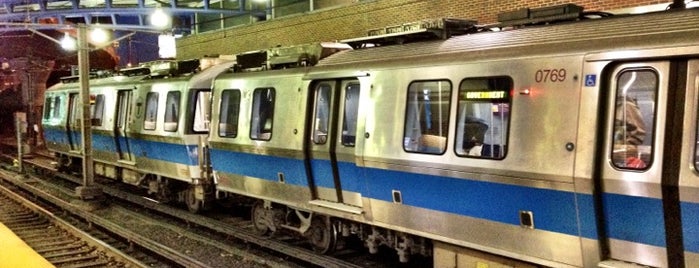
327 234
197 195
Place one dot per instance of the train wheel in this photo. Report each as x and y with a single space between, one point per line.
259 222
322 235
163 196
194 205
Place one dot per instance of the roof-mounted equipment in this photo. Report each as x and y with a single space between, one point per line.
163 68
286 57
93 74
134 71
70 79
430 29
543 15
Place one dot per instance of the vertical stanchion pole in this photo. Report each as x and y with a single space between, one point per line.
19 143
88 190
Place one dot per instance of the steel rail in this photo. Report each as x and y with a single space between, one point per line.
135 238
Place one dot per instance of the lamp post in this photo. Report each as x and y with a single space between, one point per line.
88 190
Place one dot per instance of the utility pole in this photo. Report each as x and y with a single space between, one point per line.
88 190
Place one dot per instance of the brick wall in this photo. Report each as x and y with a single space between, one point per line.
354 20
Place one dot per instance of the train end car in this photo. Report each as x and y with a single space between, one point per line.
149 128
561 145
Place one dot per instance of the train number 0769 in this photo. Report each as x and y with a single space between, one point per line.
550 75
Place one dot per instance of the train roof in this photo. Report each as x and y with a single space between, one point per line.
133 76
204 79
592 35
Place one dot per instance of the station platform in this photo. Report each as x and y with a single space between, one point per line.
15 253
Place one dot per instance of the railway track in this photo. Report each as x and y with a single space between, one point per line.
203 229
57 241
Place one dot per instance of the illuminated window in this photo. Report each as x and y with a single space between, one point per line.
97 110
634 117
483 117
172 108
151 111
349 121
262 114
75 113
200 122
321 118
427 117
52 107
229 114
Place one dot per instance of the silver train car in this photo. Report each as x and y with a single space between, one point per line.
564 145
149 126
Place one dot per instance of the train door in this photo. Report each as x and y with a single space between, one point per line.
123 113
689 176
74 128
637 204
331 140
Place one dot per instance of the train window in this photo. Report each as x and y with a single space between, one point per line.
52 107
97 110
75 112
427 117
201 111
262 114
483 117
57 107
172 108
229 113
151 111
322 113
634 116
349 122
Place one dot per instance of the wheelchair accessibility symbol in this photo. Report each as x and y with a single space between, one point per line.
590 80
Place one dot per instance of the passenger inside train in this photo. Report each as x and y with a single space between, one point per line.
634 105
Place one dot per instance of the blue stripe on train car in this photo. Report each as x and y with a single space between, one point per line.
163 151
553 210
167 152
52 134
634 218
351 176
587 215
690 224
259 166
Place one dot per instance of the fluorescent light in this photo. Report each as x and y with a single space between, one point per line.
99 36
68 43
160 19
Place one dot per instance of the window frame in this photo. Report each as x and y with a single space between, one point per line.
348 140
235 125
258 126
424 143
321 129
97 110
503 96
152 98
648 132
199 118
172 125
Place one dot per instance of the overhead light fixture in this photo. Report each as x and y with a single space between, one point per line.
99 35
68 43
160 19
166 46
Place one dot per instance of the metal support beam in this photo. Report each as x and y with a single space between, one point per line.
88 190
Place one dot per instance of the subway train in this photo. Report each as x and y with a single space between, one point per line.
543 143
140 132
